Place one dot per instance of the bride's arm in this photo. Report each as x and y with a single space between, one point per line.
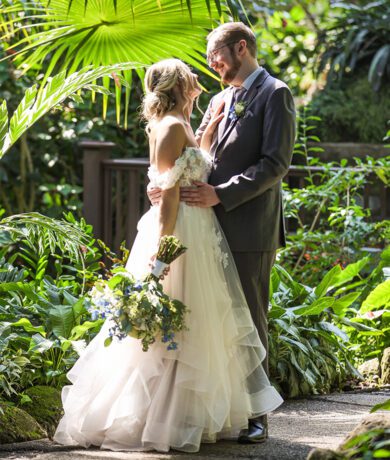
170 143
205 138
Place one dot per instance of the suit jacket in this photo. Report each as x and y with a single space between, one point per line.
250 159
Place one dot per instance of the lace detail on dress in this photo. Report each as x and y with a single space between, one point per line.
193 164
216 239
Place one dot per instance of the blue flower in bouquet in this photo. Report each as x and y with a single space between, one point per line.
138 286
139 308
167 337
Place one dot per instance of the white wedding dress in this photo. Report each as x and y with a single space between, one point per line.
122 398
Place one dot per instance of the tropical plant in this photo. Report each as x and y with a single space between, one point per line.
318 334
78 34
287 39
331 225
46 267
358 36
36 103
351 111
308 352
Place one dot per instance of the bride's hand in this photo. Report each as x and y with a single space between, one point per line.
216 117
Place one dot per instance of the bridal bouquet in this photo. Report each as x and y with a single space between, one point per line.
140 308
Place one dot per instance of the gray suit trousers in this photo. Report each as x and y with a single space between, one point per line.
254 269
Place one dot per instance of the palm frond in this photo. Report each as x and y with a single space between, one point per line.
36 103
104 32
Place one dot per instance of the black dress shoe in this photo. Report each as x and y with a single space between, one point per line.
256 433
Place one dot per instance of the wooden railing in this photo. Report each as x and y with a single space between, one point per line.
115 193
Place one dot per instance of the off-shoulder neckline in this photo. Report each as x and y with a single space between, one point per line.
185 150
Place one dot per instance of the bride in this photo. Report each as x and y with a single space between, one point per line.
122 398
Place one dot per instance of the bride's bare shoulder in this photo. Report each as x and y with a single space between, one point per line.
168 137
169 126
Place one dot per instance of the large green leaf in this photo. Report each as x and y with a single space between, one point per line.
381 406
103 34
328 281
79 331
334 330
62 320
27 326
39 344
341 304
350 271
317 307
377 298
22 288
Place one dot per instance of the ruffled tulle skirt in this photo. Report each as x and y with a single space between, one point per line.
122 398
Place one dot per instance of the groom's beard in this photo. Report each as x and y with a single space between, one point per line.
230 74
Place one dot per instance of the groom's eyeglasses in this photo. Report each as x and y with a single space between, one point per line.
213 54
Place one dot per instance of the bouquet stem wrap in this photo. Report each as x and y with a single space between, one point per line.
169 249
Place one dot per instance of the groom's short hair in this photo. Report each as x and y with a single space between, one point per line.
232 32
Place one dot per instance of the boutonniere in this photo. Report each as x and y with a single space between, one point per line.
237 110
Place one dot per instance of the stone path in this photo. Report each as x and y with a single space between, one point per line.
295 428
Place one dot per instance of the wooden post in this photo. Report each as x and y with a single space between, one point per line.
94 152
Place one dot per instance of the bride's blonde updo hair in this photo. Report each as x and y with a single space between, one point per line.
160 79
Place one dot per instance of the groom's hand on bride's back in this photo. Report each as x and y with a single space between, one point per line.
200 194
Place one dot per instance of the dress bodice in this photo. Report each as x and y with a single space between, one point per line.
193 164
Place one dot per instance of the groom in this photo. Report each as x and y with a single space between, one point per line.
251 149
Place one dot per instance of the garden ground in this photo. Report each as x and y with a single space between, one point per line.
296 428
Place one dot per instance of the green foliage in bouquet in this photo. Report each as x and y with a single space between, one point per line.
140 308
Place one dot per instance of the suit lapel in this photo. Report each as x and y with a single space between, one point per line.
248 98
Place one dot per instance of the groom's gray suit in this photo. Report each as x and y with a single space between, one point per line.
251 155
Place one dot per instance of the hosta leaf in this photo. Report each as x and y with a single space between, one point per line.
317 307
341 304
358 325
289 328
39 344
350 271
381 406
377 298
334 330
62 320
79 331
327 281
22 288
296 343
27 326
